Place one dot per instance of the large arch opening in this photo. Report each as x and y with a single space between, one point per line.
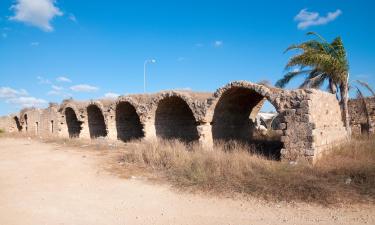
74 125
175 120
18 124
238 117
96 122
128 124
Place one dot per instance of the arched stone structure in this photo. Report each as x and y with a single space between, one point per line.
96 122
174 118
128 123
72 122
309 126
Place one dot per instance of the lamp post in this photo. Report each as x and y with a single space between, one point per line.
144 72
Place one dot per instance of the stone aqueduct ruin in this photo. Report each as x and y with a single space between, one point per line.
309 120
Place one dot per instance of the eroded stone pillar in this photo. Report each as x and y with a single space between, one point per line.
149 130
205 136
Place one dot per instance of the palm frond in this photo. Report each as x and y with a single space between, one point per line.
289 76
367 86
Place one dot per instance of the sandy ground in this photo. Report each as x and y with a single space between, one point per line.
49 184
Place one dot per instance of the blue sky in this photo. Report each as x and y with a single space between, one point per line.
51 50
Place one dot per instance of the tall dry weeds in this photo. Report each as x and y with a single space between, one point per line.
346 174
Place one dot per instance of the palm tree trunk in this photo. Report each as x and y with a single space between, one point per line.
344 103
332 87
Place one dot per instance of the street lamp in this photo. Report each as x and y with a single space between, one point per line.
144 72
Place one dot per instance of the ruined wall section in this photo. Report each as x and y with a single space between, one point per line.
6 123
30 120
328 128
360 122
49 121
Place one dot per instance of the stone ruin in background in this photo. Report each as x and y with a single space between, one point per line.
308 121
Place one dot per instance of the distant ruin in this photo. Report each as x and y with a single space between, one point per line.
362 115
308 122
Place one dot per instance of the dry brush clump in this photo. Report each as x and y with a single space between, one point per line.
346 174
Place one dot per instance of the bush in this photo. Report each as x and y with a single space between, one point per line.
346 174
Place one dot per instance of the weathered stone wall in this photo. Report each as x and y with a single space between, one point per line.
362 115
7 124
308 124
324 117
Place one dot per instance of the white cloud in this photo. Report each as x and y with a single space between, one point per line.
57 88
306 19
7 92
35 43
218 44
84 88
37 13
41 80
20 97
63 79
111 95
27 101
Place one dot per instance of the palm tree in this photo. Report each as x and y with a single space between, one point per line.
321 61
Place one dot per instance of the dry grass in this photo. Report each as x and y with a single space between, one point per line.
346 175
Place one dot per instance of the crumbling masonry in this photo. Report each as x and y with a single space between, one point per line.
309 120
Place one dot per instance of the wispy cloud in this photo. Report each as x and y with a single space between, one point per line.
180 59
307 19
63 79
42 80
20 98
27 101
199 45
84 88
111 95
38 13
72 17
7 92
4 35
57 88
34 44
218 44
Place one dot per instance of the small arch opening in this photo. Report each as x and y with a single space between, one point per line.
26 122
18 124
97 126
175 120
74 125
128 124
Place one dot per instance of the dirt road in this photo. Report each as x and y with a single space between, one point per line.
49 184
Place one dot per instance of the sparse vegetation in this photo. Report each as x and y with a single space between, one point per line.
347 174
2 131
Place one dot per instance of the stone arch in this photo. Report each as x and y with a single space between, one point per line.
232 113
73 124
128 123
175 119
96 122
18 124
